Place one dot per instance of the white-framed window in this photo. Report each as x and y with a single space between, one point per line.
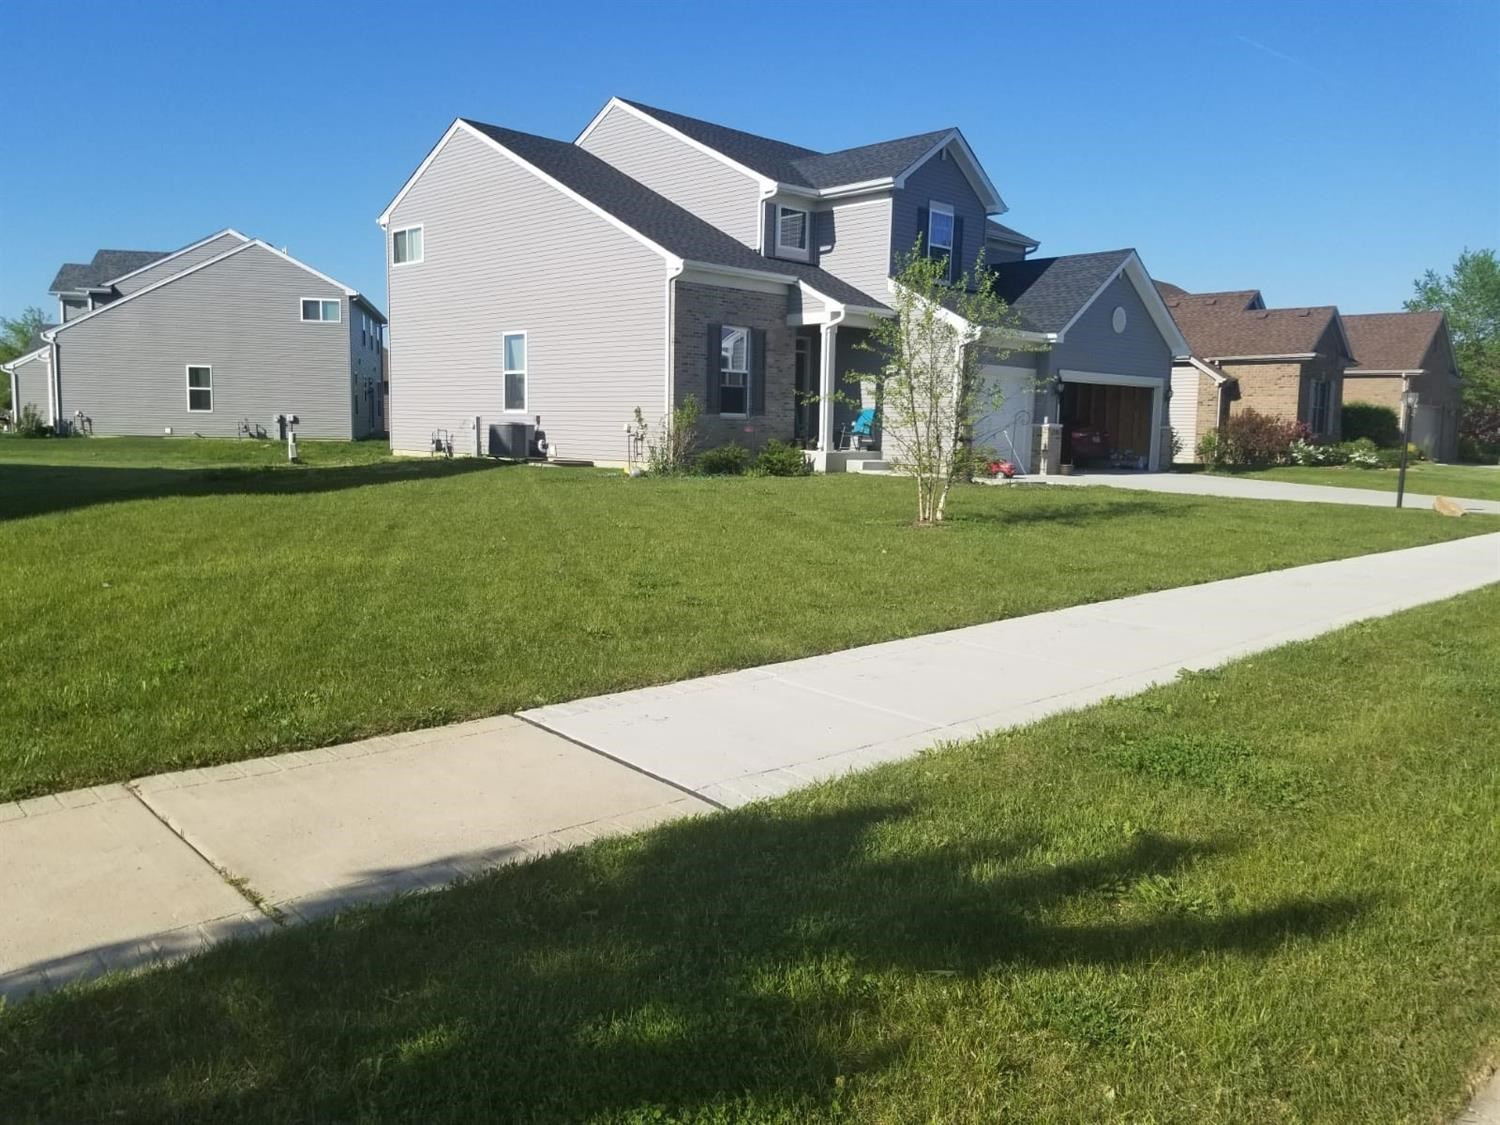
734 370
1319 406
513 345
200 388
406 246
940 232
793 231
320 310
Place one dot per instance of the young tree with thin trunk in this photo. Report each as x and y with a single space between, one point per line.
928 389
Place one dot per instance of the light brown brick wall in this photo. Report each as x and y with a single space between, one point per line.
1380 390
1284 390
697 307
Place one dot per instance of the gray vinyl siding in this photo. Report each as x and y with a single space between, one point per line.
806 303
941 181
692 179
126 368
854 243
504 251
1093 345
30 386
160 271
74 307
364 366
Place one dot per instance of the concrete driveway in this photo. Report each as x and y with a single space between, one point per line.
1206 484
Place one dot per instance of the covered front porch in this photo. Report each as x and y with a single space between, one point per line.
830 398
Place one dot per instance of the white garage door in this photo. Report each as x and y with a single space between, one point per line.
1007 427
1184 412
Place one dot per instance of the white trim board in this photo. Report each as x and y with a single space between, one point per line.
1156 308
179 253
974 173
765 183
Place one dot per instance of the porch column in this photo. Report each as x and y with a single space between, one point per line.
826 369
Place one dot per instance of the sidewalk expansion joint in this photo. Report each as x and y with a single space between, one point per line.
667 781
239 883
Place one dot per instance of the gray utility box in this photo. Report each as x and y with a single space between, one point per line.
511 440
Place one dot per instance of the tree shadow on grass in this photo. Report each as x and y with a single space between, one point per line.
735 965
33 490
1075 507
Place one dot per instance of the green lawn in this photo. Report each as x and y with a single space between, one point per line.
1469 482
156 618
1265 894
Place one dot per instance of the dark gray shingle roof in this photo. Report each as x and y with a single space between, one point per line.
671 227
1004 233
106 267
1048 292
802 167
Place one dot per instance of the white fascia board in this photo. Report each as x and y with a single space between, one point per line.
11 366
864 187
1156 308
1257 358
556 185
1219 377
767 184
179 253
51 334
738 271
1109 378
385 216
1356 372
987 192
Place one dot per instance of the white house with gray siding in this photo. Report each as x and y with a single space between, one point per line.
538 284
226 336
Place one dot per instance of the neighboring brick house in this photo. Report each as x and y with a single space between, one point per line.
538 284
1408 350
1286 363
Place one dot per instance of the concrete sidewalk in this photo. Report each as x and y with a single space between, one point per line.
745 735
1212 484
120 875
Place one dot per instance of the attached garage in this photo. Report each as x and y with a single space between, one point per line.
1005 420
1111 421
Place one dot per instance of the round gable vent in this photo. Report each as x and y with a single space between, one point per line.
1118 320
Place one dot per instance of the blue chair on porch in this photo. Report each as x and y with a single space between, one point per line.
859 433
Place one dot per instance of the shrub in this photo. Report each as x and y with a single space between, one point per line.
1470 449
778 459
30 424
1211 449
1252 438
1378 424
671 449
725 461
1303 452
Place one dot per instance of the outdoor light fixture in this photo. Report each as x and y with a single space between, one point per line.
1409 400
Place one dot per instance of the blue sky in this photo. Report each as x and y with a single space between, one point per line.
1323 153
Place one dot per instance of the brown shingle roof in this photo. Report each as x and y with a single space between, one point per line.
1240 299
1217 331
1391 341
1167 289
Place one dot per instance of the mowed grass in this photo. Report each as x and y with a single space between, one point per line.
1264 894
231 612
1469 482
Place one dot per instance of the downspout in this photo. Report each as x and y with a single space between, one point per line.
54 391
674 271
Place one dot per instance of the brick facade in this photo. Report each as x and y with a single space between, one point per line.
698 306
1284 390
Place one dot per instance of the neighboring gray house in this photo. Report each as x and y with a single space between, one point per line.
225 335
659 256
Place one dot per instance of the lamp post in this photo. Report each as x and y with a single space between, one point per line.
1408 404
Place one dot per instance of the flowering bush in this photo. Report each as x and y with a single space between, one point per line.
1302 452
1252 438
